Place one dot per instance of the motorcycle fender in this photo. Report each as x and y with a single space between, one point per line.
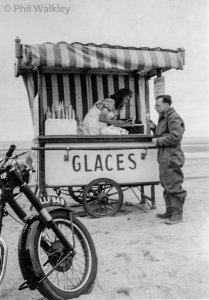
23 254
24 233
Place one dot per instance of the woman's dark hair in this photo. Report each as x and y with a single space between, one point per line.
166 99
120 95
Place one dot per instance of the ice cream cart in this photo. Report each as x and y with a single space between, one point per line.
63 81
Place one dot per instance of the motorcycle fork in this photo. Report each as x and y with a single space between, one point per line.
46 217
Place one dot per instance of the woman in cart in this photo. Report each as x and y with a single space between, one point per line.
105 112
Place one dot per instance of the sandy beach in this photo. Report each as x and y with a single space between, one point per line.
139 257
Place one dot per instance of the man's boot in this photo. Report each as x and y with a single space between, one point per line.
176 217
166 215
177 211
168 212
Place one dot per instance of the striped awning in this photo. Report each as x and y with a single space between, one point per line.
100 57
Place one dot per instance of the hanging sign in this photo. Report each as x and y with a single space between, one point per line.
159 86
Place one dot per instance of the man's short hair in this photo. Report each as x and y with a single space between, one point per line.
166 99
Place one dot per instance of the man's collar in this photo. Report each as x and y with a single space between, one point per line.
168 112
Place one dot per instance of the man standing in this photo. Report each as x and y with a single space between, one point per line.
167 137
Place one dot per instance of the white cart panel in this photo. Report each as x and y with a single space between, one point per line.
125 166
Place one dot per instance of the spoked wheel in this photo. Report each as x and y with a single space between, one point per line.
75 274
102 197
76 192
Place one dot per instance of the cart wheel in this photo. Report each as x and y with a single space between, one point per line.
102 197
76 193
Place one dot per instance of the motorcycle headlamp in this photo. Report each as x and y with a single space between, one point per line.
24 170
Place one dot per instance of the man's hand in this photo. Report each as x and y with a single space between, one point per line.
154 140
151 124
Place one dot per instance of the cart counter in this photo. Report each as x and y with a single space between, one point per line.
77 165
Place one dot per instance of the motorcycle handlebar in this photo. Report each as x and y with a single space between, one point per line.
10 151
7 156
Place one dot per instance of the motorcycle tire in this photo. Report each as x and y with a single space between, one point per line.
77 285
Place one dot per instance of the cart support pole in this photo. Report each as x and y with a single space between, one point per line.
147 103
153 196
137 96
40 103
41 154
143 200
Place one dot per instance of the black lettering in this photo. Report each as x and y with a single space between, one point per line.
119 162
107 162
132 161
76 166
98 163
86 164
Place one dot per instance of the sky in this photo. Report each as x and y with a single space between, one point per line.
150 23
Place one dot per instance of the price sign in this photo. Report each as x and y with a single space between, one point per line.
159 86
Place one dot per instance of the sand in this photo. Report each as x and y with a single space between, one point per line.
139 257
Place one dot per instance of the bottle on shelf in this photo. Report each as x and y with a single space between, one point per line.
133 121
48 113
59 111
67 112
56 110
70 111
62 111
53 112
73 114
79 126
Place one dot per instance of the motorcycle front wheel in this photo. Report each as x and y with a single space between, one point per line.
75 276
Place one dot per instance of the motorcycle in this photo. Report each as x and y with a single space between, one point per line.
56 253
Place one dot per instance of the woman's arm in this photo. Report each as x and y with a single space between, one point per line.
105 119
